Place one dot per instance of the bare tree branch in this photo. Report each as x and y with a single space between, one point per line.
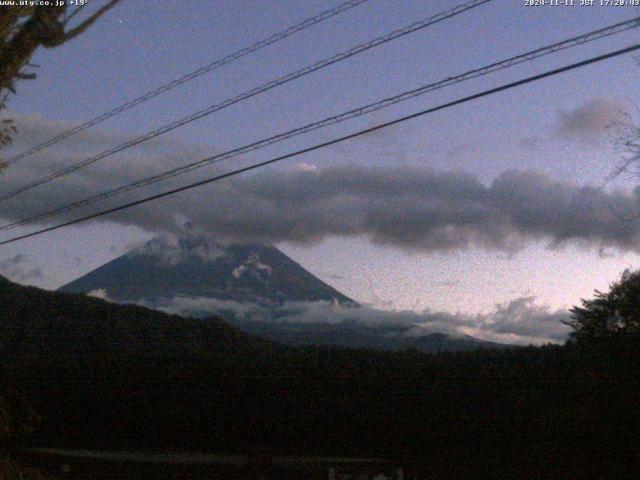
74 32
25 28
43 27
73 14
25 76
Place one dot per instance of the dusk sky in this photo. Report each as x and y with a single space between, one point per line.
493 202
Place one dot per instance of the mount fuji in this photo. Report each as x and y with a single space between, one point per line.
197 267
255 287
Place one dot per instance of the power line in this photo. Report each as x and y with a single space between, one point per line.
525 57
484 93
250 93
309 22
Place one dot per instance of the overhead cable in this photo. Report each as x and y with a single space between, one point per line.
354 113
190 76
414 27
296 153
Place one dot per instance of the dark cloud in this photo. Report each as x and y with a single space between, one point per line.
17 268
402 206
593 121
531 143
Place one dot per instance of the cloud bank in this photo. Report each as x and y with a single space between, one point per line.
402 206
519 321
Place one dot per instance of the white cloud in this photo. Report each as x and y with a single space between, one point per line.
306 167
592 121
519 321
171 250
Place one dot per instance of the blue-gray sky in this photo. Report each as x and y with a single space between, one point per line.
556 130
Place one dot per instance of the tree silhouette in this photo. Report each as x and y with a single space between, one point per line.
610 317
25 28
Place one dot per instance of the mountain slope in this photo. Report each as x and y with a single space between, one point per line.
38 324
196 267
254 287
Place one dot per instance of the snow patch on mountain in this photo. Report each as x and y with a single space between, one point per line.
100 293
252 266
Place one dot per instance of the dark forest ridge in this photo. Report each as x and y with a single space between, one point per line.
39 324
122 377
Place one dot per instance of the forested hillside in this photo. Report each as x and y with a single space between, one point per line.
533 410
41 325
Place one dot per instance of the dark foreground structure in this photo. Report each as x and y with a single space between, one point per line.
256 464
